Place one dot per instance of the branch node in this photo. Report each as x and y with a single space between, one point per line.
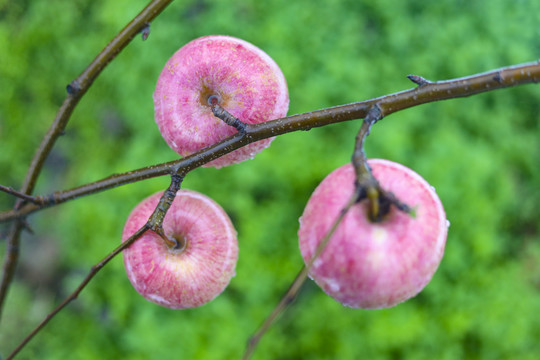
47 200
73 88
26 226
145 32
498 77
33 199
418 80
374 114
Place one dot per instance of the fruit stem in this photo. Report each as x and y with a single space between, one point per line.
226 116
366 185
171 243
177 244
155 222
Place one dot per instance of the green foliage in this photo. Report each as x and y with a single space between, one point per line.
481 154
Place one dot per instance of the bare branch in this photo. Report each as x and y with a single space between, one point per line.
76 89
367 186
295 287
33 199
154 223
387 104
93 271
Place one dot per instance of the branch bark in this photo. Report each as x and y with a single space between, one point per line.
75 91
293 291
426 92
154 223
93 271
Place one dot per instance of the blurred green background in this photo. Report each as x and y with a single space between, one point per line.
481 153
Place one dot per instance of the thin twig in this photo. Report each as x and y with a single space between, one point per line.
431 92
75 90
93 271
20 195
294 289
154 223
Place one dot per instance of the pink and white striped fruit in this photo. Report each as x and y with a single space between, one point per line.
203 265
374 265
242 78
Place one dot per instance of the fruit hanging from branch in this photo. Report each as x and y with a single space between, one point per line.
198 262
368 264
222 70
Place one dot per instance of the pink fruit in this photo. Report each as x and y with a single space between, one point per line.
374 265
241 77
197 272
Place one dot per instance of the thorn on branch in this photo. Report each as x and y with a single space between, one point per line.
145 32
418 80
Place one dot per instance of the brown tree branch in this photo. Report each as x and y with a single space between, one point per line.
76 89
385 105
154 223
33 199
426 92
93 271
367 187
295 287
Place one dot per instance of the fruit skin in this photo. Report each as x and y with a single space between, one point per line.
248 83
374 265
185 278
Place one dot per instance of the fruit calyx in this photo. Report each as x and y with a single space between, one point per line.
379 201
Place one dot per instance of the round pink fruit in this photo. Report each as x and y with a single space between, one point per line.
242 78
374 265
195 273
